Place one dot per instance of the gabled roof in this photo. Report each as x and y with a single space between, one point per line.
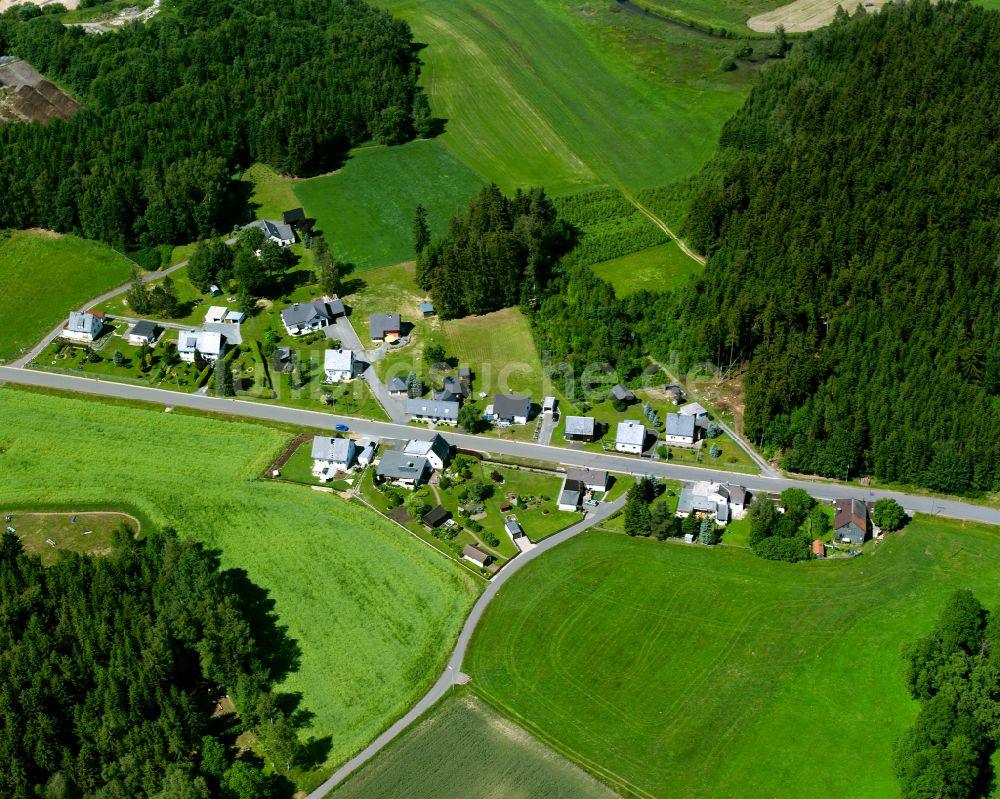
327 448
143 328
338 361
231 333
631 432
210 343
303 312
693 409
437 445
622 393
381 323
507 406
587 477
850 510
80 322
216 313
737 494
435 516
678 425
400 466
438 409
272 228
426 307
513 527
579 425
396 384
464 372
476 554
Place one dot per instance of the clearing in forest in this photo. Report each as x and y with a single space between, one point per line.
805 15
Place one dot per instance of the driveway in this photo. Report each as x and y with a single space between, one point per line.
343 331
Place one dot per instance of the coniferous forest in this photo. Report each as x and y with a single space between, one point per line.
174 106
110 669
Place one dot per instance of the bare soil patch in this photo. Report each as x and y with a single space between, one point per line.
27 96
804 15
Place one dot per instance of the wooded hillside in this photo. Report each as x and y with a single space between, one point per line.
854 243
173 107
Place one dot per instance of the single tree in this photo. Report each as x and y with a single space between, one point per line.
245 301
421 230
888 514
138 295
119 359
468 418
706 533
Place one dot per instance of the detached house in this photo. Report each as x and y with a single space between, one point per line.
850 521
579 428
723 501
680 429
331 455
590 479
385 327
278 232
143 332
396 387
571 495
631 437
407 471
308 317
511 409
210 343
83 326
338 366
437 451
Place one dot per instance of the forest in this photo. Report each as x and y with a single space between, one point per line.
175 107
111 668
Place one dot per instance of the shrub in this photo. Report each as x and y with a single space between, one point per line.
475 526
728 64
490 538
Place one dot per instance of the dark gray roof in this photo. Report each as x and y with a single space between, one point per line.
579 425
400 466
437 409
274 229
143 328
513 527
396 384
507 406
570 496
303 312
678 425
620 392
587 477
737 494
381 323
435 516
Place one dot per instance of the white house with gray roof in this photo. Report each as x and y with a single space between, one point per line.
437 451
338 366
680 429
579 428
307 317
511 409
331 455
273 230
399 468
631 437
721 501
143 332
210 343
83 326
437 411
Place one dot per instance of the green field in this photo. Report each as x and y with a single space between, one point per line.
44 276
90 533
676 670
655 269
729 14
464 748
272 194
373 610
366 209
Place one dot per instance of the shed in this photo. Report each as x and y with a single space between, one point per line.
622 394
435 517
427 308
579 428
819 549
476 555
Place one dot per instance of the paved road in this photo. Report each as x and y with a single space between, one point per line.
454 668
557 455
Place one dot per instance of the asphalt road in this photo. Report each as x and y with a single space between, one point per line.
454 669
596 460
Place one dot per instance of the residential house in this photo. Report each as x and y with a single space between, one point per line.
427 309
437 451
307 317
438 411
83 326
513 527
143 332
680 429
712 500
210 343
338 366
474 554
296 216
278 232
579 428
695 409
435 517
235 318
365 451
739 500
511 409
452 391
631 437
385 327
850 521
622 394
215 314
571 495
396 387
404 470
591 479
331 455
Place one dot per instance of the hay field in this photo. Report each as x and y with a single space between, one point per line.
805 15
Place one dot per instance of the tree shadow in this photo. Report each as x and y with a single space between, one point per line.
279 654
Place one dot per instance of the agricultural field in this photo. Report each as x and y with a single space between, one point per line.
365 602
365 210
656 269
463 747
730 15
47 533
803 15
44 276
715 655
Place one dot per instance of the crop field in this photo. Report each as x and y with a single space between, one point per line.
366 209
656 269
803 15
463 747
373 610
44 276
677 670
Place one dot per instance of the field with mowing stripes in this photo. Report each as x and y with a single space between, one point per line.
655 269
675 670
374 611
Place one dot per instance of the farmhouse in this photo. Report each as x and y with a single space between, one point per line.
474 554
384 327
427 309
307 317
437 451
331 455
401 469
278 232
712 500
83 326
571 495
579 428
510 409
622 394
396 387
439 411
631 437
695 409
143 332
680 429
435 517
338 366
591 479
850 521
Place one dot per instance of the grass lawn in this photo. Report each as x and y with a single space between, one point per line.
272 194
44 276
463 747
90 534
374 612
676 670
366 209
656 269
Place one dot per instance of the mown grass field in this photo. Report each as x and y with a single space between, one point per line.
90 534
656 269
366 209
676 670
272 194
464 748
44 276
373 610
729 14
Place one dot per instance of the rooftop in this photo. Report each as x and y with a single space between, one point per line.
507 406
631 432
579 425
400 466
381 323
337 450
678 425
437 409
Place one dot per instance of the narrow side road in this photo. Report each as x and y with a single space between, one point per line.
453 670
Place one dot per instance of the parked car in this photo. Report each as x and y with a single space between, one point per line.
342 428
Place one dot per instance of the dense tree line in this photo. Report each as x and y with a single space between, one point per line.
110 668
786 536
498 253
954 673
853 243
174 106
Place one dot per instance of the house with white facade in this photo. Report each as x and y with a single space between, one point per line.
591 479
437 451
210 343
216 314
511 409
338 366
719 501
437 411
308 317
680 429
278 232
331 455
143 332
83 326
631 437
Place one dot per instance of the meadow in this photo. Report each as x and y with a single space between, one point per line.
44 276
655 269
677 670
87 533
463 747
731 15
366 209
374 611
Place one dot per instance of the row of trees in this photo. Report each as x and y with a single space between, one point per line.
174 107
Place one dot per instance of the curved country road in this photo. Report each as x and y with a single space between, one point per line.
451 673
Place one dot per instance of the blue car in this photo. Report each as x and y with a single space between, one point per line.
341 428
